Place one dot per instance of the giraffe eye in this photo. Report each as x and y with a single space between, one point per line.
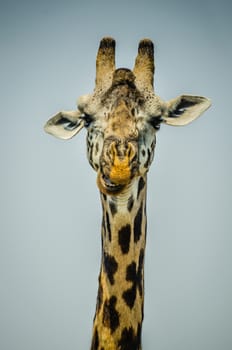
155 122
87 119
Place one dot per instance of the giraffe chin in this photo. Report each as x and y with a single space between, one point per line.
108 187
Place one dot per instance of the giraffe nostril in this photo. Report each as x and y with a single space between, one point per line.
122 149
131 152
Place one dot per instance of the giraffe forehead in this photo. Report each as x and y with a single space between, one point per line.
118 107
122 103
123 92
121 120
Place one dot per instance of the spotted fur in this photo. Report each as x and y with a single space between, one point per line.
122 117
110 266
138 224
110 314
124 236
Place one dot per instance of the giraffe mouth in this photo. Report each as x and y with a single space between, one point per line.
106 186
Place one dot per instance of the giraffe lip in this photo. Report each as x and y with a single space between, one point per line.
107 186
111 186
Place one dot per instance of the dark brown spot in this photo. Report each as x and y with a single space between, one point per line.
139 333
142 310
138 224
110 266
148 161
95 340
99 296
130 203
103 228
140 272
136 277
140 186
110 314
113 207
129 296
129 340
108 226
124 235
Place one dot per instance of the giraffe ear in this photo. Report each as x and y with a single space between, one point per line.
184 109
65 124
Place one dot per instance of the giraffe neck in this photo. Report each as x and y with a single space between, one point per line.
119 311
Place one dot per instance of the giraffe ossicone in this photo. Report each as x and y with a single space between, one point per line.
122 117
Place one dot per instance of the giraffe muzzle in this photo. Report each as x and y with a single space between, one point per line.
122 156
120 169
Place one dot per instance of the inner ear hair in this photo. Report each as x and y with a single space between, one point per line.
67 123
184 109
180 108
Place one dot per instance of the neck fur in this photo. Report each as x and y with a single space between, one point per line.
119 311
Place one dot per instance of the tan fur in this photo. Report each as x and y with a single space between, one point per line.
105 63
144 65
128 317
122 116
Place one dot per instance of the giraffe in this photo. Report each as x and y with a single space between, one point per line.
122 117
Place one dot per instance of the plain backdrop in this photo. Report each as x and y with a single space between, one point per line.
50 213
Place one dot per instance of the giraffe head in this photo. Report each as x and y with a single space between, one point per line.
122 117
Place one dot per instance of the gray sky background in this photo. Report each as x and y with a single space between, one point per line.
50 210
